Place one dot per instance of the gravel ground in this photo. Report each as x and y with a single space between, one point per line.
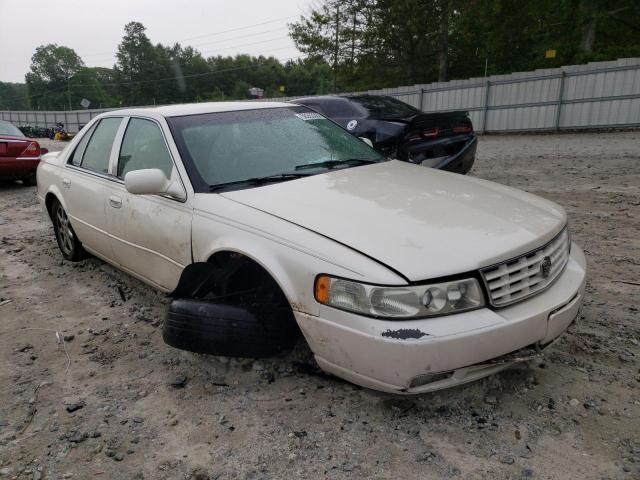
113 401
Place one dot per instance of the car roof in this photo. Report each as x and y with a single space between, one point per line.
198 108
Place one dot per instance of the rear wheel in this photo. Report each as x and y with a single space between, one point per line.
68 242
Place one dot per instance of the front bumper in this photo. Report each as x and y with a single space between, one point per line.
453 349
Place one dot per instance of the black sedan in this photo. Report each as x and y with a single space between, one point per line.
398 130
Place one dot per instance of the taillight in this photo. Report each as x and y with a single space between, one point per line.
464 129
32 150
429 133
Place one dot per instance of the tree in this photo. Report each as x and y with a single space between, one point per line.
55 64
349 45
52 67
334 33
140 67
399 42
13 96
190 70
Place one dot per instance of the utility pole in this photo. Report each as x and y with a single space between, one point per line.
335 51
444 40
69 93
353 36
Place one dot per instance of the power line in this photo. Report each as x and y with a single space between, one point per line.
224 40
245 45
112 55
158 80
239 28
235 38
212 34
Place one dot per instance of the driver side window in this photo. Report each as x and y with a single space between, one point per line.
143 146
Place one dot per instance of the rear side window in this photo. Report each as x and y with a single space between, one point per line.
340 108
315 107
143 146
380 106
76 157
98 150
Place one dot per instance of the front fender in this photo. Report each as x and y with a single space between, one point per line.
292 255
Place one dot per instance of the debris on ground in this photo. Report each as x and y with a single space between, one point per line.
123 404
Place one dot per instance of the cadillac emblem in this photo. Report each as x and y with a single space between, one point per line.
545 267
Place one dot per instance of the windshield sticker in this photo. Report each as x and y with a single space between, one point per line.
352 124
306 116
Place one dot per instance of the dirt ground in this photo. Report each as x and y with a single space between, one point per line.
113 401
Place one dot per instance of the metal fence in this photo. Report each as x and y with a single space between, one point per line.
595 95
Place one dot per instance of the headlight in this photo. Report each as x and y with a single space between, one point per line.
417 301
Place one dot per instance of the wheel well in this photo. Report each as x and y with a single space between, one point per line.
227 274
235 279
48 202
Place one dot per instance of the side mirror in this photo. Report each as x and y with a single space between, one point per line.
152 181
367 141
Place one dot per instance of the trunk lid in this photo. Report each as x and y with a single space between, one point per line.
12 146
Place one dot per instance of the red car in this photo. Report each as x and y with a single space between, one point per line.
19 155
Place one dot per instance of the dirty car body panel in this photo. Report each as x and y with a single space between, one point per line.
401 278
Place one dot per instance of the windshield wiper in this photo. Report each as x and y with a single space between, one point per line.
279 177
330 164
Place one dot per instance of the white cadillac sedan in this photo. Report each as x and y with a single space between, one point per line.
267 219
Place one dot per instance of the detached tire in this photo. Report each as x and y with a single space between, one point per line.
228 330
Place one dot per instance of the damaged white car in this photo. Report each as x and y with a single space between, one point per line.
267 219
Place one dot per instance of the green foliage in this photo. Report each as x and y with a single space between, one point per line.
349 45
52 68
13 96
147 74
400 42
139 62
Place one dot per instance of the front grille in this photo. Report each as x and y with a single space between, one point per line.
524 276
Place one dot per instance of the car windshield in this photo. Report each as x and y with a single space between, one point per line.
380 106
247 148
7 128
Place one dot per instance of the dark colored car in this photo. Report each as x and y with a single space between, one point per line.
19 155
398 130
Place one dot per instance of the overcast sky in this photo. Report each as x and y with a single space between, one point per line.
93 28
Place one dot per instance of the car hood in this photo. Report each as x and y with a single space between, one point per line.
423 223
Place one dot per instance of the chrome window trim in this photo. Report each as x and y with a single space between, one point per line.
90 132
94 173
120 138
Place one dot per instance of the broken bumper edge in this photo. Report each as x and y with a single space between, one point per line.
454 349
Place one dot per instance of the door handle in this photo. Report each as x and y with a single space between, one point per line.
66 182
115 202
